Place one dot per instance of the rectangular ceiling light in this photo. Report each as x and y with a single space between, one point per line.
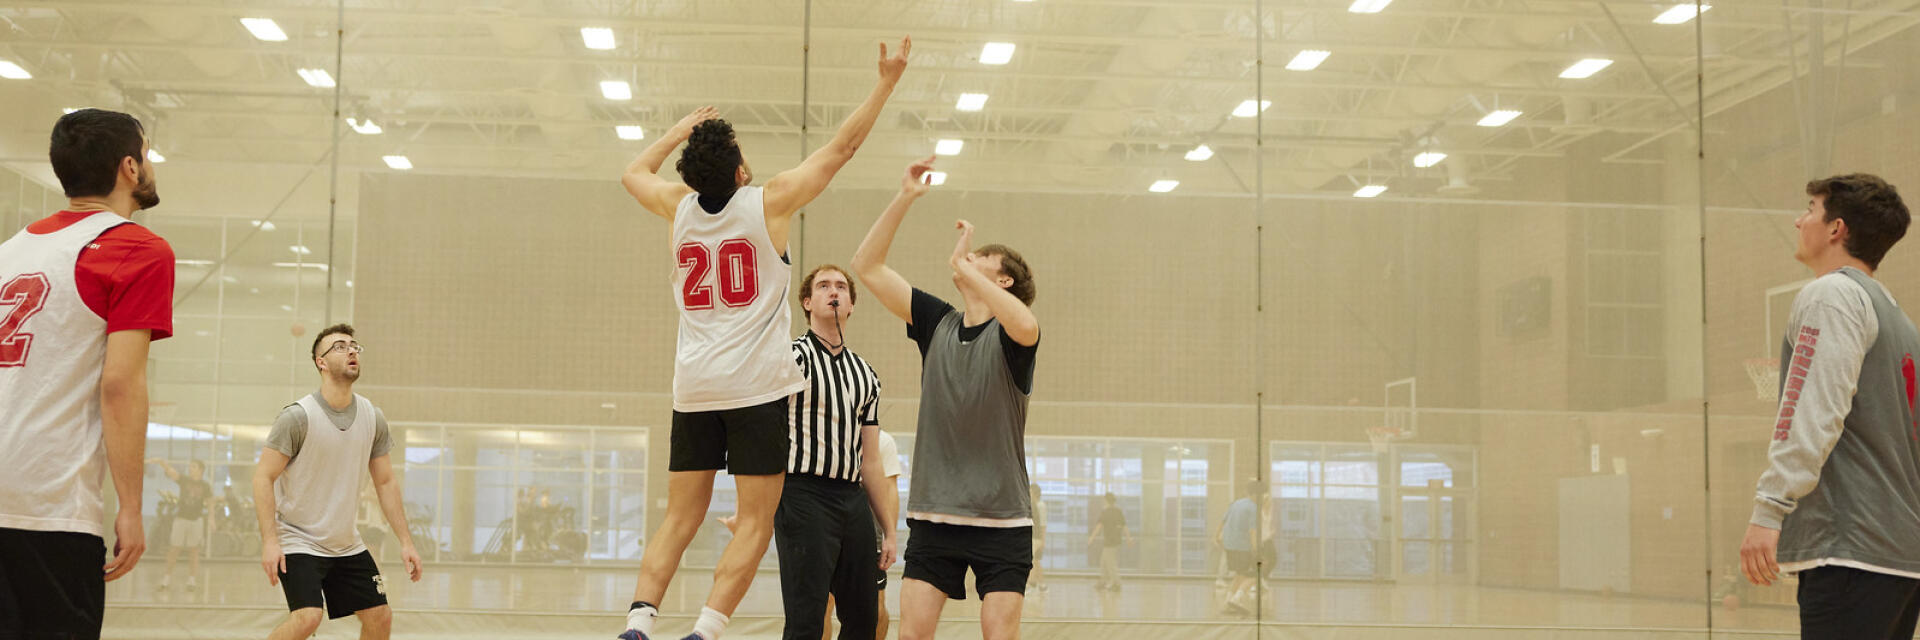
1499 118
630 132
300 249
364 127
936 178
264 29
1307 60
154 155
1248 109
1370 191
1199 153
1163 186
1680 14
398 162
616 90
1428 159
996 53
1585 68
12 71
597 37
317 77
1368 6
948 147
971 102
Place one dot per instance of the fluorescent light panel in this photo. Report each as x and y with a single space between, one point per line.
630 132
971 102
936 178
264 29
1368 6
12 71
1307 60
1163 186
948 147
1428 159
1680 14
616 90
317 77
597 38
1248 109
1199 153
996 53
1370 191
364 127
1499 118
1585 68
398 162
154 155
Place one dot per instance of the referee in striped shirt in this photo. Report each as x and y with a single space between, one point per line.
836 487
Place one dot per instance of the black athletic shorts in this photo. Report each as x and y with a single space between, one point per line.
345 585
1241 563
749 441
940 555
51 584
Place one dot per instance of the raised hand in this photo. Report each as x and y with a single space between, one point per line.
892 66
915 182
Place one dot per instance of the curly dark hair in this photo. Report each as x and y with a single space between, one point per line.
1876 217
711 159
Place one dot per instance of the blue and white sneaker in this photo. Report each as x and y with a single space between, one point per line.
633 634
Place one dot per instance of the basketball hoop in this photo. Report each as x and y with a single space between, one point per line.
1765 373
1383 436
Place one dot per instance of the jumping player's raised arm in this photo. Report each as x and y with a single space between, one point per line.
870 260
792 189
642 177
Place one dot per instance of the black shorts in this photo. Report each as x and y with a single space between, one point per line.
1241 563
749 441
880 578
1844 603
51 585
940 555
345 585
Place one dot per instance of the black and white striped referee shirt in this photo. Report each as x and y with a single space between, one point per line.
824 419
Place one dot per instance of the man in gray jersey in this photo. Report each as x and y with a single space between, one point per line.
306 491
967 509
1839 503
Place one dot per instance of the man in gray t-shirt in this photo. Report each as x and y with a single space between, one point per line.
967 508
306 492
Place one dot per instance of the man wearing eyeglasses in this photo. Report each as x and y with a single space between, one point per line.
306 491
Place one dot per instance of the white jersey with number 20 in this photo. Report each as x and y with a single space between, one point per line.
731 284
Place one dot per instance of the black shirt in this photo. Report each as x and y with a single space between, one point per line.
928 309
1113 526
193 499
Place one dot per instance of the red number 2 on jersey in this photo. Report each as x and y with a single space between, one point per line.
737 272
20 298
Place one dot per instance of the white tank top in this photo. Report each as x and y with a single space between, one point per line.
731 284
318 496
53 458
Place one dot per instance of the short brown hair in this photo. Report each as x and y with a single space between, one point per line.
806 286
335 330
1013 266
1875 216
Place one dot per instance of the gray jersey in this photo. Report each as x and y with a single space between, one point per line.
318 496
969 456
1843 485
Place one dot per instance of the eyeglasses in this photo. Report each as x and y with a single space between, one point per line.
349 347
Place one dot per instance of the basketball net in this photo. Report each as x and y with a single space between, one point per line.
1765 373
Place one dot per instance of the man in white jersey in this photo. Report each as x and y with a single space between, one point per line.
733 369
83 293
1839 503
306 492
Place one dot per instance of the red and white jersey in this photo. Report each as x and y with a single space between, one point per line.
53 346
732 285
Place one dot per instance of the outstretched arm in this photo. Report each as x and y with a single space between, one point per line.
642 177
1015 317
794 188
870 260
